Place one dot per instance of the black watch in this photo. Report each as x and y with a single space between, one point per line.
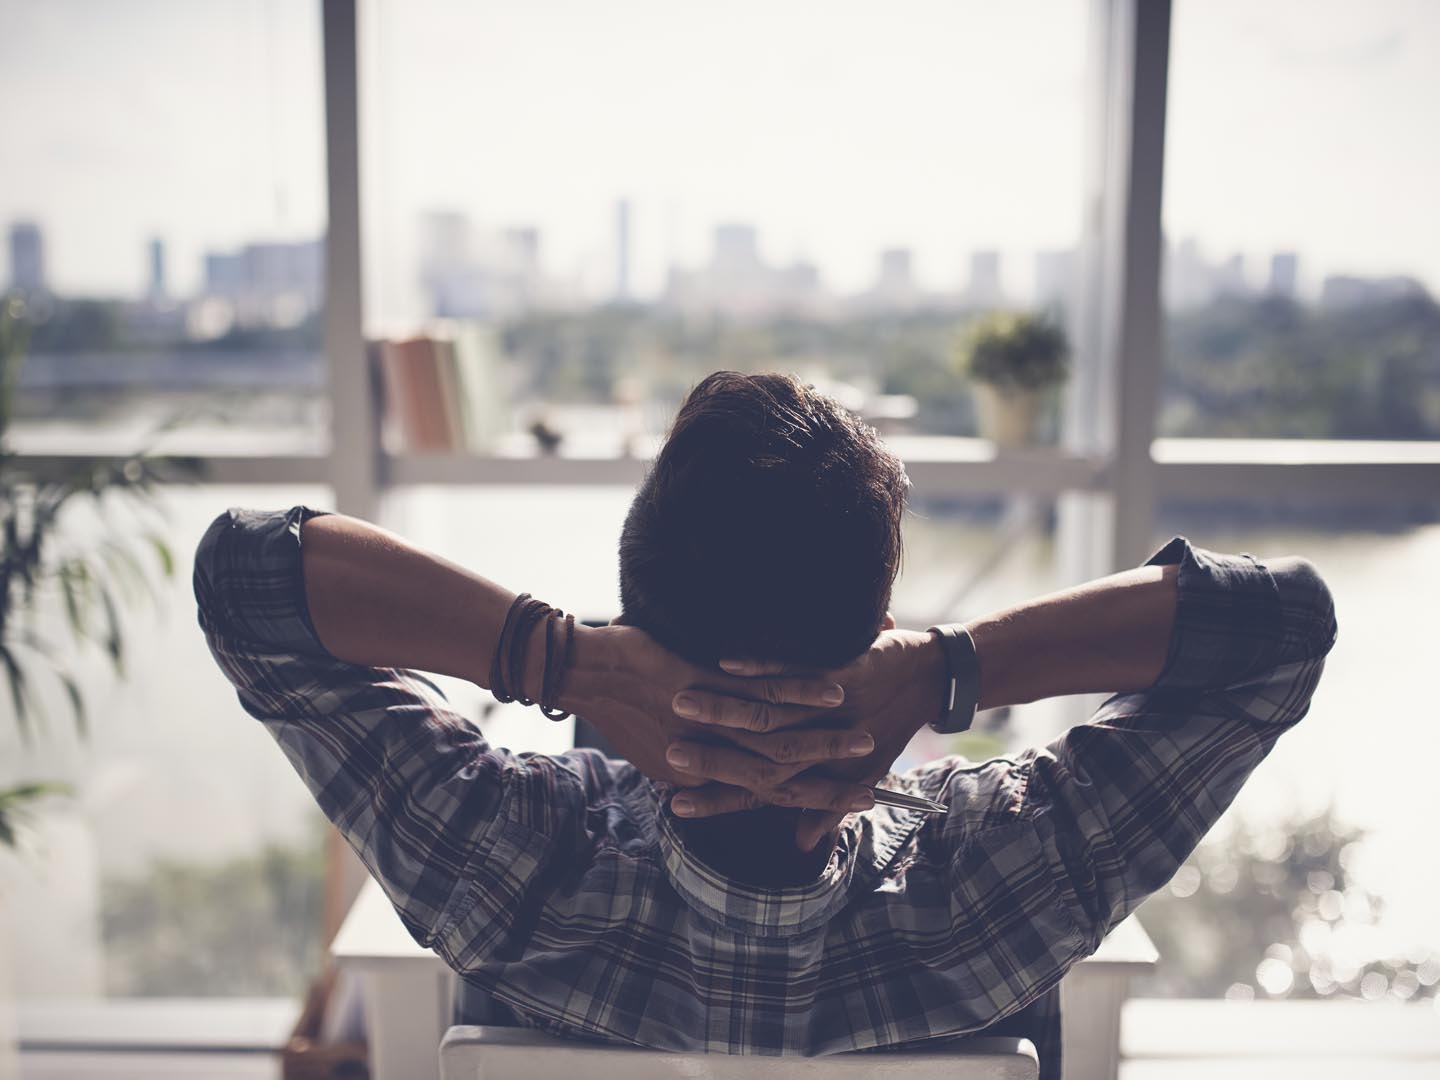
962 668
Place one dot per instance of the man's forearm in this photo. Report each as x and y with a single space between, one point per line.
378 600
1106 636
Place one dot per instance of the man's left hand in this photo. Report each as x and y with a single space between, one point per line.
891 691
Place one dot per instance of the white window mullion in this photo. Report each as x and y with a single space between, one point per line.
354 428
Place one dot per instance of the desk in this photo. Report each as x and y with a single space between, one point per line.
409 993
1091 997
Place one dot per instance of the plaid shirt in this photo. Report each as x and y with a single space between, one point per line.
560 887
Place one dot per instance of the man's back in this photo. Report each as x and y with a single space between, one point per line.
562 885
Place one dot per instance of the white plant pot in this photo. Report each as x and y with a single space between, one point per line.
1008 417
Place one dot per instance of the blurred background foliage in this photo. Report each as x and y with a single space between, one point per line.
1260 367
85 577
1254 366
1271 367
243 926
1280 911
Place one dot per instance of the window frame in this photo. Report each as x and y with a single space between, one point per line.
1109 471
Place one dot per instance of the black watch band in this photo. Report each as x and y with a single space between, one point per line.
962 667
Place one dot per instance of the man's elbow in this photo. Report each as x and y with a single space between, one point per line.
207 577
1308 608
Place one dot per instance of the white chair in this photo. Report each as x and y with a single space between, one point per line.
503 1053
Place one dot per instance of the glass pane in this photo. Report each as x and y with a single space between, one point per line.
164 212
1303 245
509 534
623 210
1316 882
187 859
966 557
963 557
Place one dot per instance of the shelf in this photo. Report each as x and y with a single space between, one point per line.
1329 469
936 466
465 469
1294 452
215 468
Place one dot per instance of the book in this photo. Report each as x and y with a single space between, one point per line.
448 383
415 408
442 391
481 401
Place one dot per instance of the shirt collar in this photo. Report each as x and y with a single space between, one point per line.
866 847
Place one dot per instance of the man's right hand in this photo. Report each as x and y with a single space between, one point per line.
634 692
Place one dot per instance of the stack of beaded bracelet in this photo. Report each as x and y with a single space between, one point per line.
507 668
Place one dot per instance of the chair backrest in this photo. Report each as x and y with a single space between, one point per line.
501 1053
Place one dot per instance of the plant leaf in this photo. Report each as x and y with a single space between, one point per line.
125 568
14 808
75 590
19 699
77 703
114 643
163 553
34 789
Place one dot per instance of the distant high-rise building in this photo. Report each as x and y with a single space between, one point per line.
622 250
897 270
522 246
895 286
984 290
224 273
1344 291
802 280
158 286
1284 272
1189 278
1230 277
444 240
473 273
268 284
1055 280
27 257
737 248
738 282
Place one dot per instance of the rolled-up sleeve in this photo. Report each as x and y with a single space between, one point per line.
413 787
1119 803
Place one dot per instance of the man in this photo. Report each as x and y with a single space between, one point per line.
732 887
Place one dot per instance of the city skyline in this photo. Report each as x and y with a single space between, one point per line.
474 274
944 148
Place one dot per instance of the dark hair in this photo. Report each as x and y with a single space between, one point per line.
769 526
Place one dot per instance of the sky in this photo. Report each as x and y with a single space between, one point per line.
837 128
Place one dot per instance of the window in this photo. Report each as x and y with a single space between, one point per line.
1301 273
834 190
1311 886
188 861
164 215
607 203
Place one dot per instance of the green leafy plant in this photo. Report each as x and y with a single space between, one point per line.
16 804
44 563
1015 350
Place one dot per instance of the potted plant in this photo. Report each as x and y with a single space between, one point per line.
1015 360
